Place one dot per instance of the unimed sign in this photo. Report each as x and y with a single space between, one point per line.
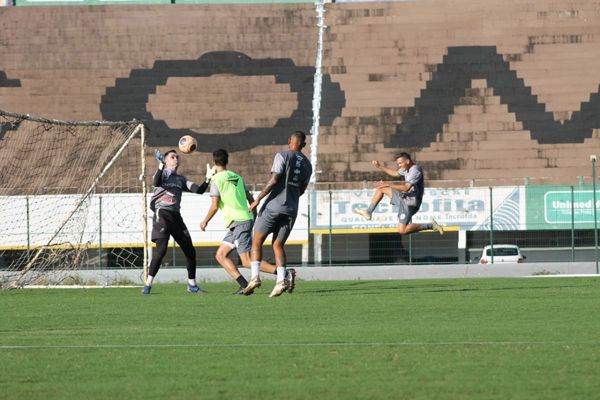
566 207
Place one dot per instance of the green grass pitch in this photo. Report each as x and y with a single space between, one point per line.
503 339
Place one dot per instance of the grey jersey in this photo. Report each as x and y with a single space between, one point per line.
294 171
414 175
168 187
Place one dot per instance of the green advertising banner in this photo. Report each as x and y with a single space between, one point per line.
561 207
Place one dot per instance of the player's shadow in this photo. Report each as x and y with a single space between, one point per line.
370 287
471 289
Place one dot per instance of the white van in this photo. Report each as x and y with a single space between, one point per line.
503 254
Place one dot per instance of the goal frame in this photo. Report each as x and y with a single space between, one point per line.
138 131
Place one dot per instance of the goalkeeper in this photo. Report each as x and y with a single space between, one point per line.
230 194
167 221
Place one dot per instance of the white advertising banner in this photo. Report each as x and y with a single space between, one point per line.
109 219
194 208
115 219
464 208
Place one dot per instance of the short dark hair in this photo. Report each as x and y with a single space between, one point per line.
221 157
402 155
301 136
169 152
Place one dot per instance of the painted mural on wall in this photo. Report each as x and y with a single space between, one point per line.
117 104
453 78
494 94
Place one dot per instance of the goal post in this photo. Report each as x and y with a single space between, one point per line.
73 197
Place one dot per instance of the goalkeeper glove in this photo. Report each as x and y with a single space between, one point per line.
160 158
210 172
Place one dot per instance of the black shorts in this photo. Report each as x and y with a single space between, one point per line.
167 223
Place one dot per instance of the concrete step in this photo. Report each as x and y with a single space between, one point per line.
483 126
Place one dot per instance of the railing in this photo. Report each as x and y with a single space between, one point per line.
550 223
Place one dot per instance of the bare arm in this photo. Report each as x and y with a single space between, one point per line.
265 192
250 199
403 187
391 172
214 207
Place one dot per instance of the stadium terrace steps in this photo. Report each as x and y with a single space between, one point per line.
480 128
514 171
483 136
67 58
470 142
399 66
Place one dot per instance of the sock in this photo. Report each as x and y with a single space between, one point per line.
192 282
371 208
149 280
242 281
280 274
255 268
426 226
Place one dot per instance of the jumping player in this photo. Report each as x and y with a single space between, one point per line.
167 221
290 175
407 195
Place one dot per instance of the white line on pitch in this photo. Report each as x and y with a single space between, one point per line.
333 344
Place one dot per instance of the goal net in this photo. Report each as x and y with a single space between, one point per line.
72 198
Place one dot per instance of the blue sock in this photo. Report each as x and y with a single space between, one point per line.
371 208
426 226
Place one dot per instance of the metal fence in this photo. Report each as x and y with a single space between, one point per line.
548 223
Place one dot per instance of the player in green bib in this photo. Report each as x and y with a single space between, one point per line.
231 196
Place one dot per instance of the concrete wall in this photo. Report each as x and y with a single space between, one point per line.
482 93
488 91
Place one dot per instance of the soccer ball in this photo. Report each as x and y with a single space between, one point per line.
187 144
